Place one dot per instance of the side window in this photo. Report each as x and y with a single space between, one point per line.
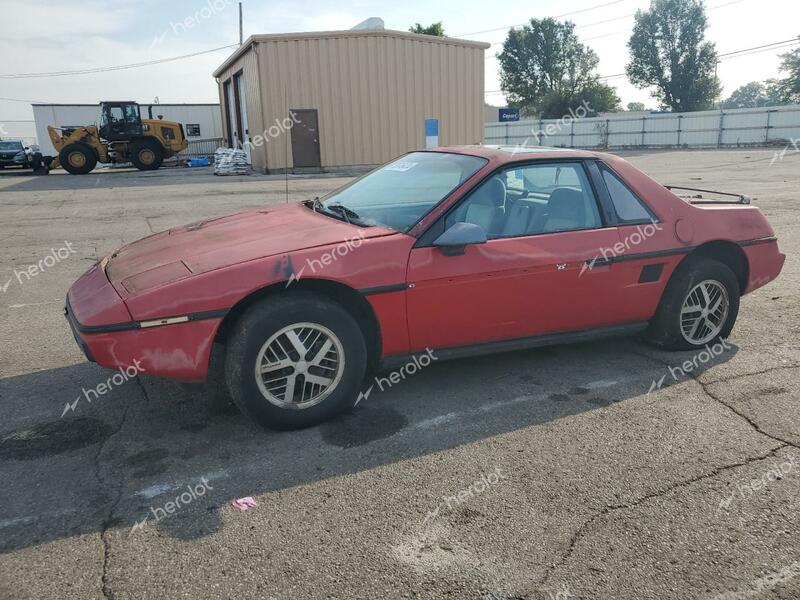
531 200
131 113
116 114
629 208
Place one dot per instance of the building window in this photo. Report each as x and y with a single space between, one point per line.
193 130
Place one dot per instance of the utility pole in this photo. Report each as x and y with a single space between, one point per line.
240 24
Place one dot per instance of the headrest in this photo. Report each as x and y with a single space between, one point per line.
491 193
567 204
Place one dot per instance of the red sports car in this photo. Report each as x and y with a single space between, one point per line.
450 252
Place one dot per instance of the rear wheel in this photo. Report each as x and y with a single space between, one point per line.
699 306
77 158
146 155
295 360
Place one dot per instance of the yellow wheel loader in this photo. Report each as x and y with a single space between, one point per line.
123 136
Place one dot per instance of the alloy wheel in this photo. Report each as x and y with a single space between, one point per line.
704 312
299 366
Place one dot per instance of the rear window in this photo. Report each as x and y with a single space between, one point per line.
628 207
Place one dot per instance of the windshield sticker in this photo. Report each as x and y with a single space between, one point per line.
402 166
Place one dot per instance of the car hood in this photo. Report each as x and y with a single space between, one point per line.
224 241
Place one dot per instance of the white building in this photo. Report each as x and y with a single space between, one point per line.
200 121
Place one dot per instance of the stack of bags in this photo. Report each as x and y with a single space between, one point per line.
229 161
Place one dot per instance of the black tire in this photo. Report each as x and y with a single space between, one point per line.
264 320
77 158
665 328
146 155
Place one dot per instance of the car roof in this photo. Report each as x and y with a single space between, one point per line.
507 154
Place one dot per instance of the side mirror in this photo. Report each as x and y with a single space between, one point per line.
455 239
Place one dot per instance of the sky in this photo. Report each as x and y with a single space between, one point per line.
50 36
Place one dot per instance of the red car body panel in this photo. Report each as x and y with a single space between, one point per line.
505 289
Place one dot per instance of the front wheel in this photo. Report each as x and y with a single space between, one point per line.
295 360
77 158
146 155
699 306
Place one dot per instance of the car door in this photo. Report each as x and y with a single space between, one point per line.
531 277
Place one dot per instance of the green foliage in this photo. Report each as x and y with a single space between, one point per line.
751 95
787 90
636 106
433 29
669 52
546 71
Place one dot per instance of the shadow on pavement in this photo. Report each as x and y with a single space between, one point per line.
118 460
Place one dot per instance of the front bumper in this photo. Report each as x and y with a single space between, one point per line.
174 347
73 325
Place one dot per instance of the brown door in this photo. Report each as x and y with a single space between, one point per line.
305 138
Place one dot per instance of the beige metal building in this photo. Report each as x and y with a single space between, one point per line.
343 98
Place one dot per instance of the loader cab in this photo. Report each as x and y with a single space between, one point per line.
120 121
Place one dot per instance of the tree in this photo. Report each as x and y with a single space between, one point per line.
752 95
636 106
668 52
546 71
787 90
433 29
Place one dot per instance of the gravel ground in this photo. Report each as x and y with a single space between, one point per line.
550 473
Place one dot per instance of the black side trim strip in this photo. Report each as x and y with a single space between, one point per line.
131 325
569 337
382 289
599 261
654 254
208 314
757 241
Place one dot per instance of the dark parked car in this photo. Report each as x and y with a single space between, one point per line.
13 153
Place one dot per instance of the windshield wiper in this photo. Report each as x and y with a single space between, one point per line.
348 214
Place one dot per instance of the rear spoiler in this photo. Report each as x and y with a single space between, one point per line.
700 199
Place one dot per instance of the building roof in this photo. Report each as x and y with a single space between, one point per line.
96 104
347 33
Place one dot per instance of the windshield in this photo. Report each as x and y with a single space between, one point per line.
8 146
400 193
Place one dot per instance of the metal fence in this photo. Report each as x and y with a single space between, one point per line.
706 129
199 148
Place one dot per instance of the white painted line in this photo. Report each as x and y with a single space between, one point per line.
26 520
436 421
601 383
161 488
35 304
456 416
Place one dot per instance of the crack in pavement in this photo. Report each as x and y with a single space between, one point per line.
614 507
581 531
695 377
749 421
739 376
108 520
